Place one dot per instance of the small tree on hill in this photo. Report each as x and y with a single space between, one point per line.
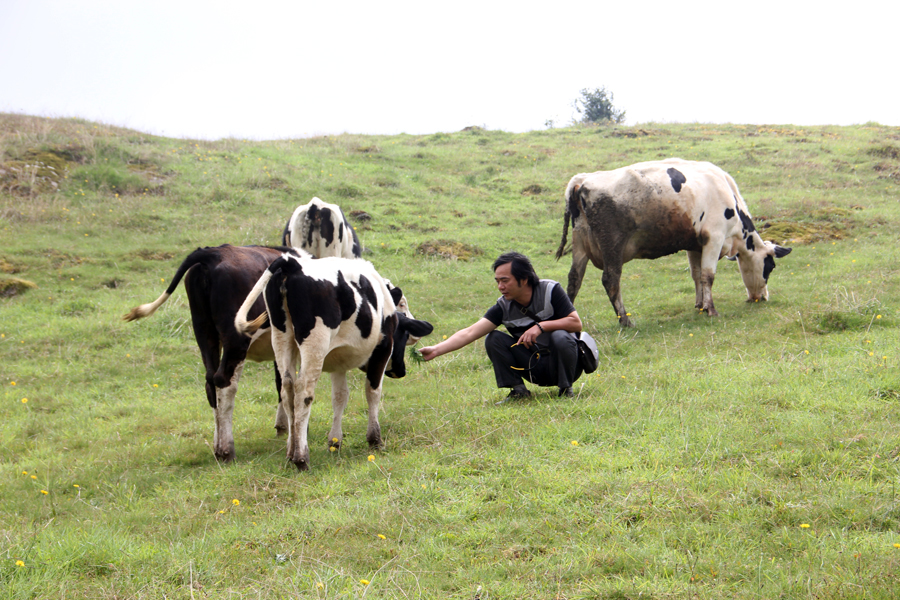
595 106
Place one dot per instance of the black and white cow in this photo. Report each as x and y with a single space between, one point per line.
656 208
331 315
217 280
322 230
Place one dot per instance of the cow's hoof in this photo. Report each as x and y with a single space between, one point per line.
301 460
375 442
280 431
225 457
334 444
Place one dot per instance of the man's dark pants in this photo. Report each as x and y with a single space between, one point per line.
515 363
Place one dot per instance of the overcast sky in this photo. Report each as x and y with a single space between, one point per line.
266 70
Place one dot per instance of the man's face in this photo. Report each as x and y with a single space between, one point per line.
507 284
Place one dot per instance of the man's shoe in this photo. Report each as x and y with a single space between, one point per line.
519 391
566 393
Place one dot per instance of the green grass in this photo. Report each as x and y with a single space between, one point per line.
689 464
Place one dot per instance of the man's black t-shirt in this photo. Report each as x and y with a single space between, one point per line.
548 302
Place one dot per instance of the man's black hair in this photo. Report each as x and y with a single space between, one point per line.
520 267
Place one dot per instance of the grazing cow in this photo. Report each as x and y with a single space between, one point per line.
217 280
322 230
656 208
332 315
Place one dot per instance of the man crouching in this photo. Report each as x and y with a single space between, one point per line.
541 320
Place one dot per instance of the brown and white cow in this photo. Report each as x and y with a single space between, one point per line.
657 208
332 315
322 230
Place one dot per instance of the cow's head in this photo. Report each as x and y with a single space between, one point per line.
405 330
757 263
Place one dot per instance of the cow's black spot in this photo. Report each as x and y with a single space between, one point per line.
364 319
340 232
677 177
366 290
309 298
274 303
703 214
346 298
750 245
729 214
326 226
746 221
308 400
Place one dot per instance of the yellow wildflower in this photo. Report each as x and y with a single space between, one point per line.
236 502
371 458
45 492
381 537
804 525
574 442
363 581
19 563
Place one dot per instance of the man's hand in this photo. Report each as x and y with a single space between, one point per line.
429 352
528 338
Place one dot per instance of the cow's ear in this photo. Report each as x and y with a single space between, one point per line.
781 251
414 327
396 294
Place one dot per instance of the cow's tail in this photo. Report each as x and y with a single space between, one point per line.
240 319
571 190
200 255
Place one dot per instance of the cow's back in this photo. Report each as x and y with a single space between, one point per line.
656 208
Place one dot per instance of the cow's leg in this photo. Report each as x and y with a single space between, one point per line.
313 350
281 420
304 394
373 431
285 349
374 378
694 261
340 394
223 438
612 278
708 262
579 265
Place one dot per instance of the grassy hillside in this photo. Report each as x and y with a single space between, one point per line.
756 455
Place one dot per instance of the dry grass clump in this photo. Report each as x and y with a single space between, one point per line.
13 286
448 249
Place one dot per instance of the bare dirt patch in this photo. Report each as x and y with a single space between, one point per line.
59 259
448 249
